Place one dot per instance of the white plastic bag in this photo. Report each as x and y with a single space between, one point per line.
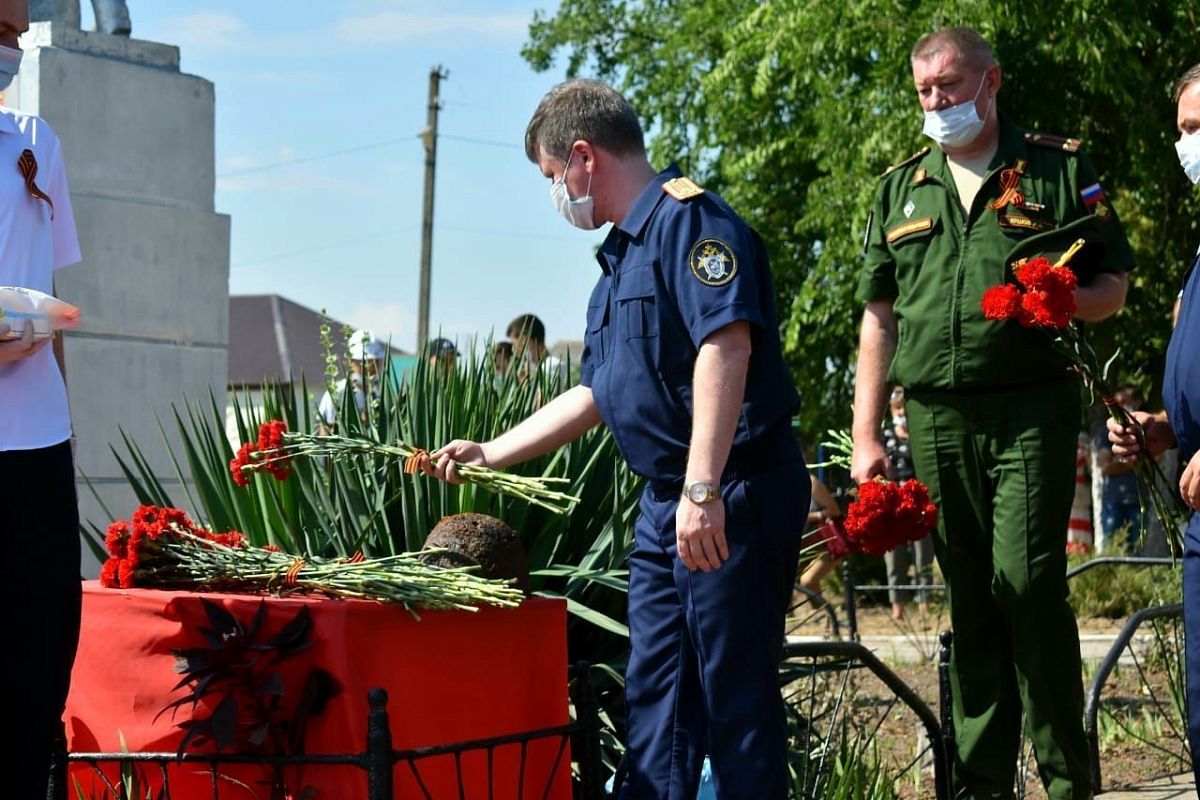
46 312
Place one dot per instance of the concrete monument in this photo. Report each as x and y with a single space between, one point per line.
138 142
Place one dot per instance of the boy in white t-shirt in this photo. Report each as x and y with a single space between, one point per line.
39 513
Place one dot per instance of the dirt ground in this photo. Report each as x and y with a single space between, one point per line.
1140 733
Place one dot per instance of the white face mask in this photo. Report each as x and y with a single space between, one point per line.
579 212
10 62
957 125
1188 148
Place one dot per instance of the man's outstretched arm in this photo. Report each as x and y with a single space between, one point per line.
564 419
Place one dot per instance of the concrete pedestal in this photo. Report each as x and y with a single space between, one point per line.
137 137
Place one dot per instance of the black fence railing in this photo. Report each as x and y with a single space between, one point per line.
1091 708
378 760
940 745
851 589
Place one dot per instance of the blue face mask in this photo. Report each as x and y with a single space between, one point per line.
10 62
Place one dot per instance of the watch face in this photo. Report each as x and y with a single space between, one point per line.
699 492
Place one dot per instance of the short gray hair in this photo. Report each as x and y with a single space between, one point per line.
967 42
583 109
1192 76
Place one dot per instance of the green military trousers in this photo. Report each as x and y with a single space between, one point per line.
1001 467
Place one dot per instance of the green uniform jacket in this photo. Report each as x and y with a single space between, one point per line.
934 261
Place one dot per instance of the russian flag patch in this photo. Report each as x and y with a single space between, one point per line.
1092 194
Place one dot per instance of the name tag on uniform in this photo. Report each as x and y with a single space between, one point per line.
1025 223
908 228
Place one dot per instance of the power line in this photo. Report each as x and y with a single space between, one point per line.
322 247
487 142
290 162
307 159
498 232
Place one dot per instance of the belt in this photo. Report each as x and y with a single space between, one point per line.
974 391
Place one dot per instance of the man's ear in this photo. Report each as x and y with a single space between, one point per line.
584 152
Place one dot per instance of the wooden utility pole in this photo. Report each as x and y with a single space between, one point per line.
429 138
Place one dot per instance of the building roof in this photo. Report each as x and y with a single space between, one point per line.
273 338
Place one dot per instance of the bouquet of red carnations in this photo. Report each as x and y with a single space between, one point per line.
276 447
887 515
1044 297
161 548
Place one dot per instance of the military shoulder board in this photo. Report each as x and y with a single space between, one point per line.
919 154
682 188
1054 142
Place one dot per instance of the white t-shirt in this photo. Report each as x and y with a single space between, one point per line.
327 408
33 398
556 368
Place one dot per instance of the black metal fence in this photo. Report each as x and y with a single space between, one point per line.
378 760
940 745
1091 709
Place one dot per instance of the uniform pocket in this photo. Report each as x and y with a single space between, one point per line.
637 303
596 333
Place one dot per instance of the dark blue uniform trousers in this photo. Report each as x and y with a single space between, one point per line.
1191 625
703 670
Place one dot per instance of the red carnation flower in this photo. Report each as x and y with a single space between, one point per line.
230 539
242 459
115 541
1033 272
125 574
1048 309
267 453
108 573
1001 302
887 515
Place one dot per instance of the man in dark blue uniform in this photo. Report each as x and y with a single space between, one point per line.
682 361
1179 423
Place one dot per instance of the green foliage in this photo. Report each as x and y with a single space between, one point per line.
131 783
1116 591
791 108
833 753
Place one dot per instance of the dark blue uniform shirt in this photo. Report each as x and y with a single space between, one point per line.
1181 379
674 272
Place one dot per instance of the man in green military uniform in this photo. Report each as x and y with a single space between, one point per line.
993 412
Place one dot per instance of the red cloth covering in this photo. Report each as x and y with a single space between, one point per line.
451 677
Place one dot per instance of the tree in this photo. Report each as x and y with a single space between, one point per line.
791 109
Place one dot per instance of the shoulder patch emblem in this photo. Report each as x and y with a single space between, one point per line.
1054 142
682 188
919 154
712 262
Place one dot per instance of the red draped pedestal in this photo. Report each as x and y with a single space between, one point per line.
452 676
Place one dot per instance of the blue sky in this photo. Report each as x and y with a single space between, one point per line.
343 232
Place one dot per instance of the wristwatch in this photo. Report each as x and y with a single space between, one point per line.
700 492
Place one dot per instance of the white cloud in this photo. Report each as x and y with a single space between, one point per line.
388 27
